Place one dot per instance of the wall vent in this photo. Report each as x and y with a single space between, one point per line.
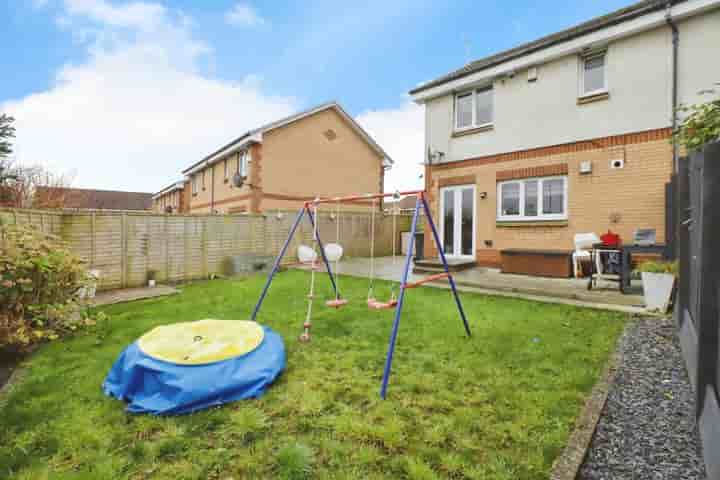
617 164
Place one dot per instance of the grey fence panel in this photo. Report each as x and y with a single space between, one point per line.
698 307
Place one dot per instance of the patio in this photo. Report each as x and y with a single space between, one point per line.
571 291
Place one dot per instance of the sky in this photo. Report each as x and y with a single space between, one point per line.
123 95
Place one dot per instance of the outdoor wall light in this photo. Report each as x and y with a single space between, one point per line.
483 195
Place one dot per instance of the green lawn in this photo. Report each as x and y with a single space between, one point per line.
497 406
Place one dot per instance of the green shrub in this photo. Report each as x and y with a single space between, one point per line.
39 283
659 267
701 126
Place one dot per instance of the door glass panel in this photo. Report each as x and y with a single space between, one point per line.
448 221
466 233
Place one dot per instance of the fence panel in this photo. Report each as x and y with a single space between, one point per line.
124 246
697 311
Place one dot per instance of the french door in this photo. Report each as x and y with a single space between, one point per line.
457 224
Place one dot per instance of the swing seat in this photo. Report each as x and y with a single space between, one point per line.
336 302
377 305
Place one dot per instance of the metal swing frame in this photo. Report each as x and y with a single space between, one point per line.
421 203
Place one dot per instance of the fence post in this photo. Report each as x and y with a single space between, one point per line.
203 248
92 239
167 250
123 250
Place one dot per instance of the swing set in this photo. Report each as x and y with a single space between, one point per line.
332 253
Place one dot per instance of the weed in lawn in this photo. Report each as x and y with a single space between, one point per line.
495 406
294 462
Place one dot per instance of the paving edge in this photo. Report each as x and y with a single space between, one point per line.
567 465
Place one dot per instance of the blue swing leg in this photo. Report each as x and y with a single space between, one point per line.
445 265
276 266
398 308
322 254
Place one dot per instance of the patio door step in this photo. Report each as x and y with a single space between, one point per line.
436 266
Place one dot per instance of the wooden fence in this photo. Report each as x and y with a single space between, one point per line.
124 246
697 310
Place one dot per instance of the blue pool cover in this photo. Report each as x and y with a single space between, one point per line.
149 385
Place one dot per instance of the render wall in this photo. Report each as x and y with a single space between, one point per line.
546 112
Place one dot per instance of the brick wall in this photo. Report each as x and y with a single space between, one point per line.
621 200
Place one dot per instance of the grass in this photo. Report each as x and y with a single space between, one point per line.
497 406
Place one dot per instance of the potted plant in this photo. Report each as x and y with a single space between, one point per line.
151 274
658 280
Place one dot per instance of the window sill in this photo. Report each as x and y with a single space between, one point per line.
470 131
593 97
530 223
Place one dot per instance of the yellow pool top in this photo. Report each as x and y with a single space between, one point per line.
202 341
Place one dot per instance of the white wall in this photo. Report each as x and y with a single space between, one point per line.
545 112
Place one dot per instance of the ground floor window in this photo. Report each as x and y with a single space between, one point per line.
533 199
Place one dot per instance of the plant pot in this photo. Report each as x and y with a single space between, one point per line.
151 283
658 289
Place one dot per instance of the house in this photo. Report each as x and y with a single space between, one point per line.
82 198
172 199
318 152
567 134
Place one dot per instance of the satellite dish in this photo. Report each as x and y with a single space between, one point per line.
238 180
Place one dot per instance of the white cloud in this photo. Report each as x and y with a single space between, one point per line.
244 15
138 109
400 131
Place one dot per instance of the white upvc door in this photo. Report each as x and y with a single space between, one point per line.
457 221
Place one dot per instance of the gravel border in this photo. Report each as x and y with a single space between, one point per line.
647 429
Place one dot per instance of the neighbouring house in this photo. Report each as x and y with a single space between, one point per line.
319 152
88 199
172 199
567 134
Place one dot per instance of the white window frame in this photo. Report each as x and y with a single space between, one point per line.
540 216
457 232
473 123
581 72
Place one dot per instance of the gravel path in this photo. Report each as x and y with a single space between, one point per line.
647 429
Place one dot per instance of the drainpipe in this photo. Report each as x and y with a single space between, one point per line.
675 44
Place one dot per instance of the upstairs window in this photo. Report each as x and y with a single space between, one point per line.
203 179
194 184
593 75
225 169
243 158
474 109
533 199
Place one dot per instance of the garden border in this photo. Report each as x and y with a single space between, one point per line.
567 465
